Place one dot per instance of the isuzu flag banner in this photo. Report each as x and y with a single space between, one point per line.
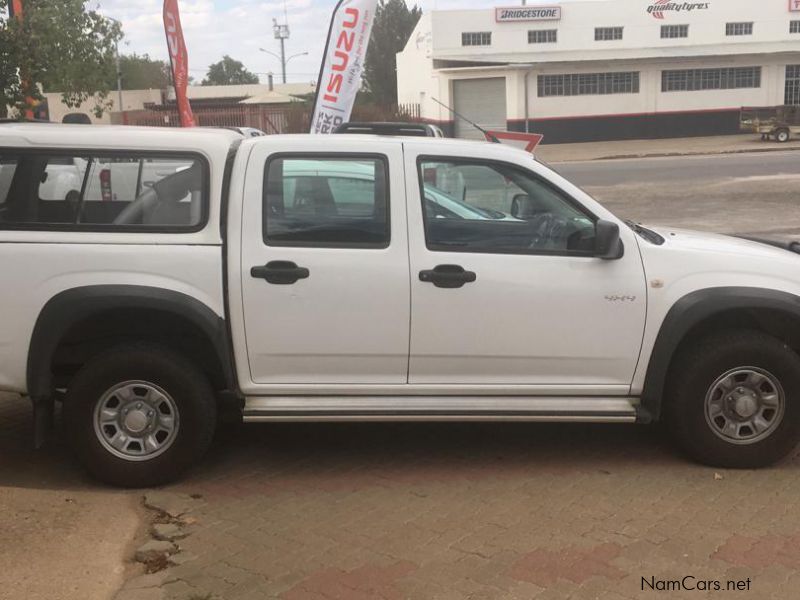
343 63
178 60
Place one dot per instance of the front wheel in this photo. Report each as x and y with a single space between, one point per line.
139 415
783 136
734 400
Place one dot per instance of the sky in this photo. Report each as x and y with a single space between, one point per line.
239 28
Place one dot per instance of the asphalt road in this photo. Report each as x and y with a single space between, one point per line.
684 169
753 193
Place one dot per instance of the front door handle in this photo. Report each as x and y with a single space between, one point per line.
448 276
280 272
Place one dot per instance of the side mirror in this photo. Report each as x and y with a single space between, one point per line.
607 244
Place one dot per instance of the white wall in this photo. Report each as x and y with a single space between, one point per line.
131 99
642 31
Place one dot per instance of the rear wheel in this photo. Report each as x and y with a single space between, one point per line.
139 415
734 400
783 135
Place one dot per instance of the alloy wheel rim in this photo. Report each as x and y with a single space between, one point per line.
136 421
745 405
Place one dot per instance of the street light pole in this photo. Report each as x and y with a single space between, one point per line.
284 61
282 34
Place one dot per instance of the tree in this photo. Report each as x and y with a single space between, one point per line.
228 72
60 46
140 72
394 23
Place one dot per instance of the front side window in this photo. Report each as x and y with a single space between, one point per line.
327 202
88 190
471 206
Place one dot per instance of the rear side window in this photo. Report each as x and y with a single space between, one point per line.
136 192
321 201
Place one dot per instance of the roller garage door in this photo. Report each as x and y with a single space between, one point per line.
482 101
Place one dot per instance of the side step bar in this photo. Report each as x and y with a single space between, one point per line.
449 408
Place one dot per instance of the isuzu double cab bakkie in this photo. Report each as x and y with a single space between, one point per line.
172 275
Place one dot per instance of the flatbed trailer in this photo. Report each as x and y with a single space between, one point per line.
778 122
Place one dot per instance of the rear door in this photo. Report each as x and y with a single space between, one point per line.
324 264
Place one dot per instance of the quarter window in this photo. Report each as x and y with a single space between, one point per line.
693 80
543 36
588 84
471 206
674 31
327 202
476 38
606 34
135 192
738 29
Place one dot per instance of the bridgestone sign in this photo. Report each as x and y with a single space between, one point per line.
538 13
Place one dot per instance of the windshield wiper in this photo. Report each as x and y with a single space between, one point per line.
645 233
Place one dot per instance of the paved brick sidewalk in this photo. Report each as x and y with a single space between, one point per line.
474 511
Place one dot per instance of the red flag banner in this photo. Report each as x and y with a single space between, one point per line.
178 60
343 63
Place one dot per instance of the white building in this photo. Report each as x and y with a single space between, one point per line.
604 69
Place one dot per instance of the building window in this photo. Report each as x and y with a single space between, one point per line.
605 34
543 36
739 29
588 84
794 27
674 31
693 80
793 85
476 38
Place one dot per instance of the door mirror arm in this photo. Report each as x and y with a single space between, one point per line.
607 243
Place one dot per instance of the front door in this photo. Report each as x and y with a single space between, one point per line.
324 270
505 288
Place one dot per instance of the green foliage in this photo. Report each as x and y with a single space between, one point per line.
394 23
140 72
228 72
60 46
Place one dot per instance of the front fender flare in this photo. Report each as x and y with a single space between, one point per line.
690 311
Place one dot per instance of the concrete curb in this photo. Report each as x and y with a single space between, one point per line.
683 154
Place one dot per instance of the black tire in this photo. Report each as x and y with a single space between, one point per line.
782 136
695 372
173 373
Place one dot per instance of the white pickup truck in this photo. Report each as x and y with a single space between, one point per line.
301 278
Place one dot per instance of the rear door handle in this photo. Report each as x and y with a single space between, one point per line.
448 276
280 272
